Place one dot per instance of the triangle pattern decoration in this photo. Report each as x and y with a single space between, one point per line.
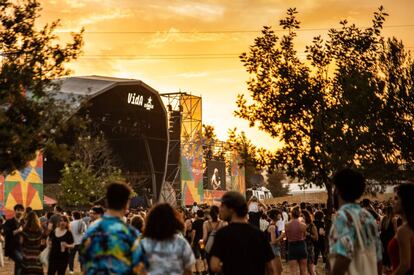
33 177
14 176
30 194
24 187
36 202
25 172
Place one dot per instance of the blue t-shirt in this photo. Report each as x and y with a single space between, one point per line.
111 246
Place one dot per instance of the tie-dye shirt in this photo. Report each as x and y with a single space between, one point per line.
111 246
172 256
343 239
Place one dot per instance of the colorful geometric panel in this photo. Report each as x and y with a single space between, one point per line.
192 180
191 161
24 187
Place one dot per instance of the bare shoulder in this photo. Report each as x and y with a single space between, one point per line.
404 232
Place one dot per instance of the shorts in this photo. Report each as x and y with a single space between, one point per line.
297 251
276 250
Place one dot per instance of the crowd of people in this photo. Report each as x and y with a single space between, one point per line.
238 237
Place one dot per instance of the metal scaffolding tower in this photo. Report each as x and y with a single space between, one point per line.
185 126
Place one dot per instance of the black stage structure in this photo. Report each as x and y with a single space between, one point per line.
134 121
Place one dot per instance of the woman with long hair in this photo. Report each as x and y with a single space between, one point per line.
296 233
60 241
320 243
311 238
275 238
388 229
31 241
210 228
166 250
188 225
401 247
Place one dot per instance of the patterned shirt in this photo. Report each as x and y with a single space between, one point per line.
111 246
343 238
168 257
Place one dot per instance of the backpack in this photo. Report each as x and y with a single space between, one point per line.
210 238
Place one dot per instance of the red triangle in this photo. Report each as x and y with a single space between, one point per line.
31 192
17 193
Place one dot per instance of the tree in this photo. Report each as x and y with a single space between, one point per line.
254 159
275 185
211 144
90 169
31 58
350 105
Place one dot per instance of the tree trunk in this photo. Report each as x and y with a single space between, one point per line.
328 217
329 202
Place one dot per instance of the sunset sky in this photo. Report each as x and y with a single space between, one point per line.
193 46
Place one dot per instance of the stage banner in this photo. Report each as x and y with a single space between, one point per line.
191 162
23 187
216 173
212 197
237 174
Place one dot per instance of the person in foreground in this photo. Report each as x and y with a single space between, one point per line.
12 230
354 243
401 247
167 251
240 248
111 246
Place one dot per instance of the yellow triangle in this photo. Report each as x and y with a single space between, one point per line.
24 186
14 176
10 203
36 203
33 177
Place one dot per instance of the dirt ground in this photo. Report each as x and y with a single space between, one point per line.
9 268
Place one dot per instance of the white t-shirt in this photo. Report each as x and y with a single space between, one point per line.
194 209
280 225
75 227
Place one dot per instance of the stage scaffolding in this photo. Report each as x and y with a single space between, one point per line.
185 131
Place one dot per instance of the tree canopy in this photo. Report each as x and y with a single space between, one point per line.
91 166
31 59
350 104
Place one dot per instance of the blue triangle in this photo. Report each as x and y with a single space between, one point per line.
39 171
25 172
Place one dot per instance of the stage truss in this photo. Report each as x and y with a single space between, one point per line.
185 130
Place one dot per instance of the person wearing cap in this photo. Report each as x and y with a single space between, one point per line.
239 248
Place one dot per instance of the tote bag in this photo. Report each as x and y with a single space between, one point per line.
365 257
